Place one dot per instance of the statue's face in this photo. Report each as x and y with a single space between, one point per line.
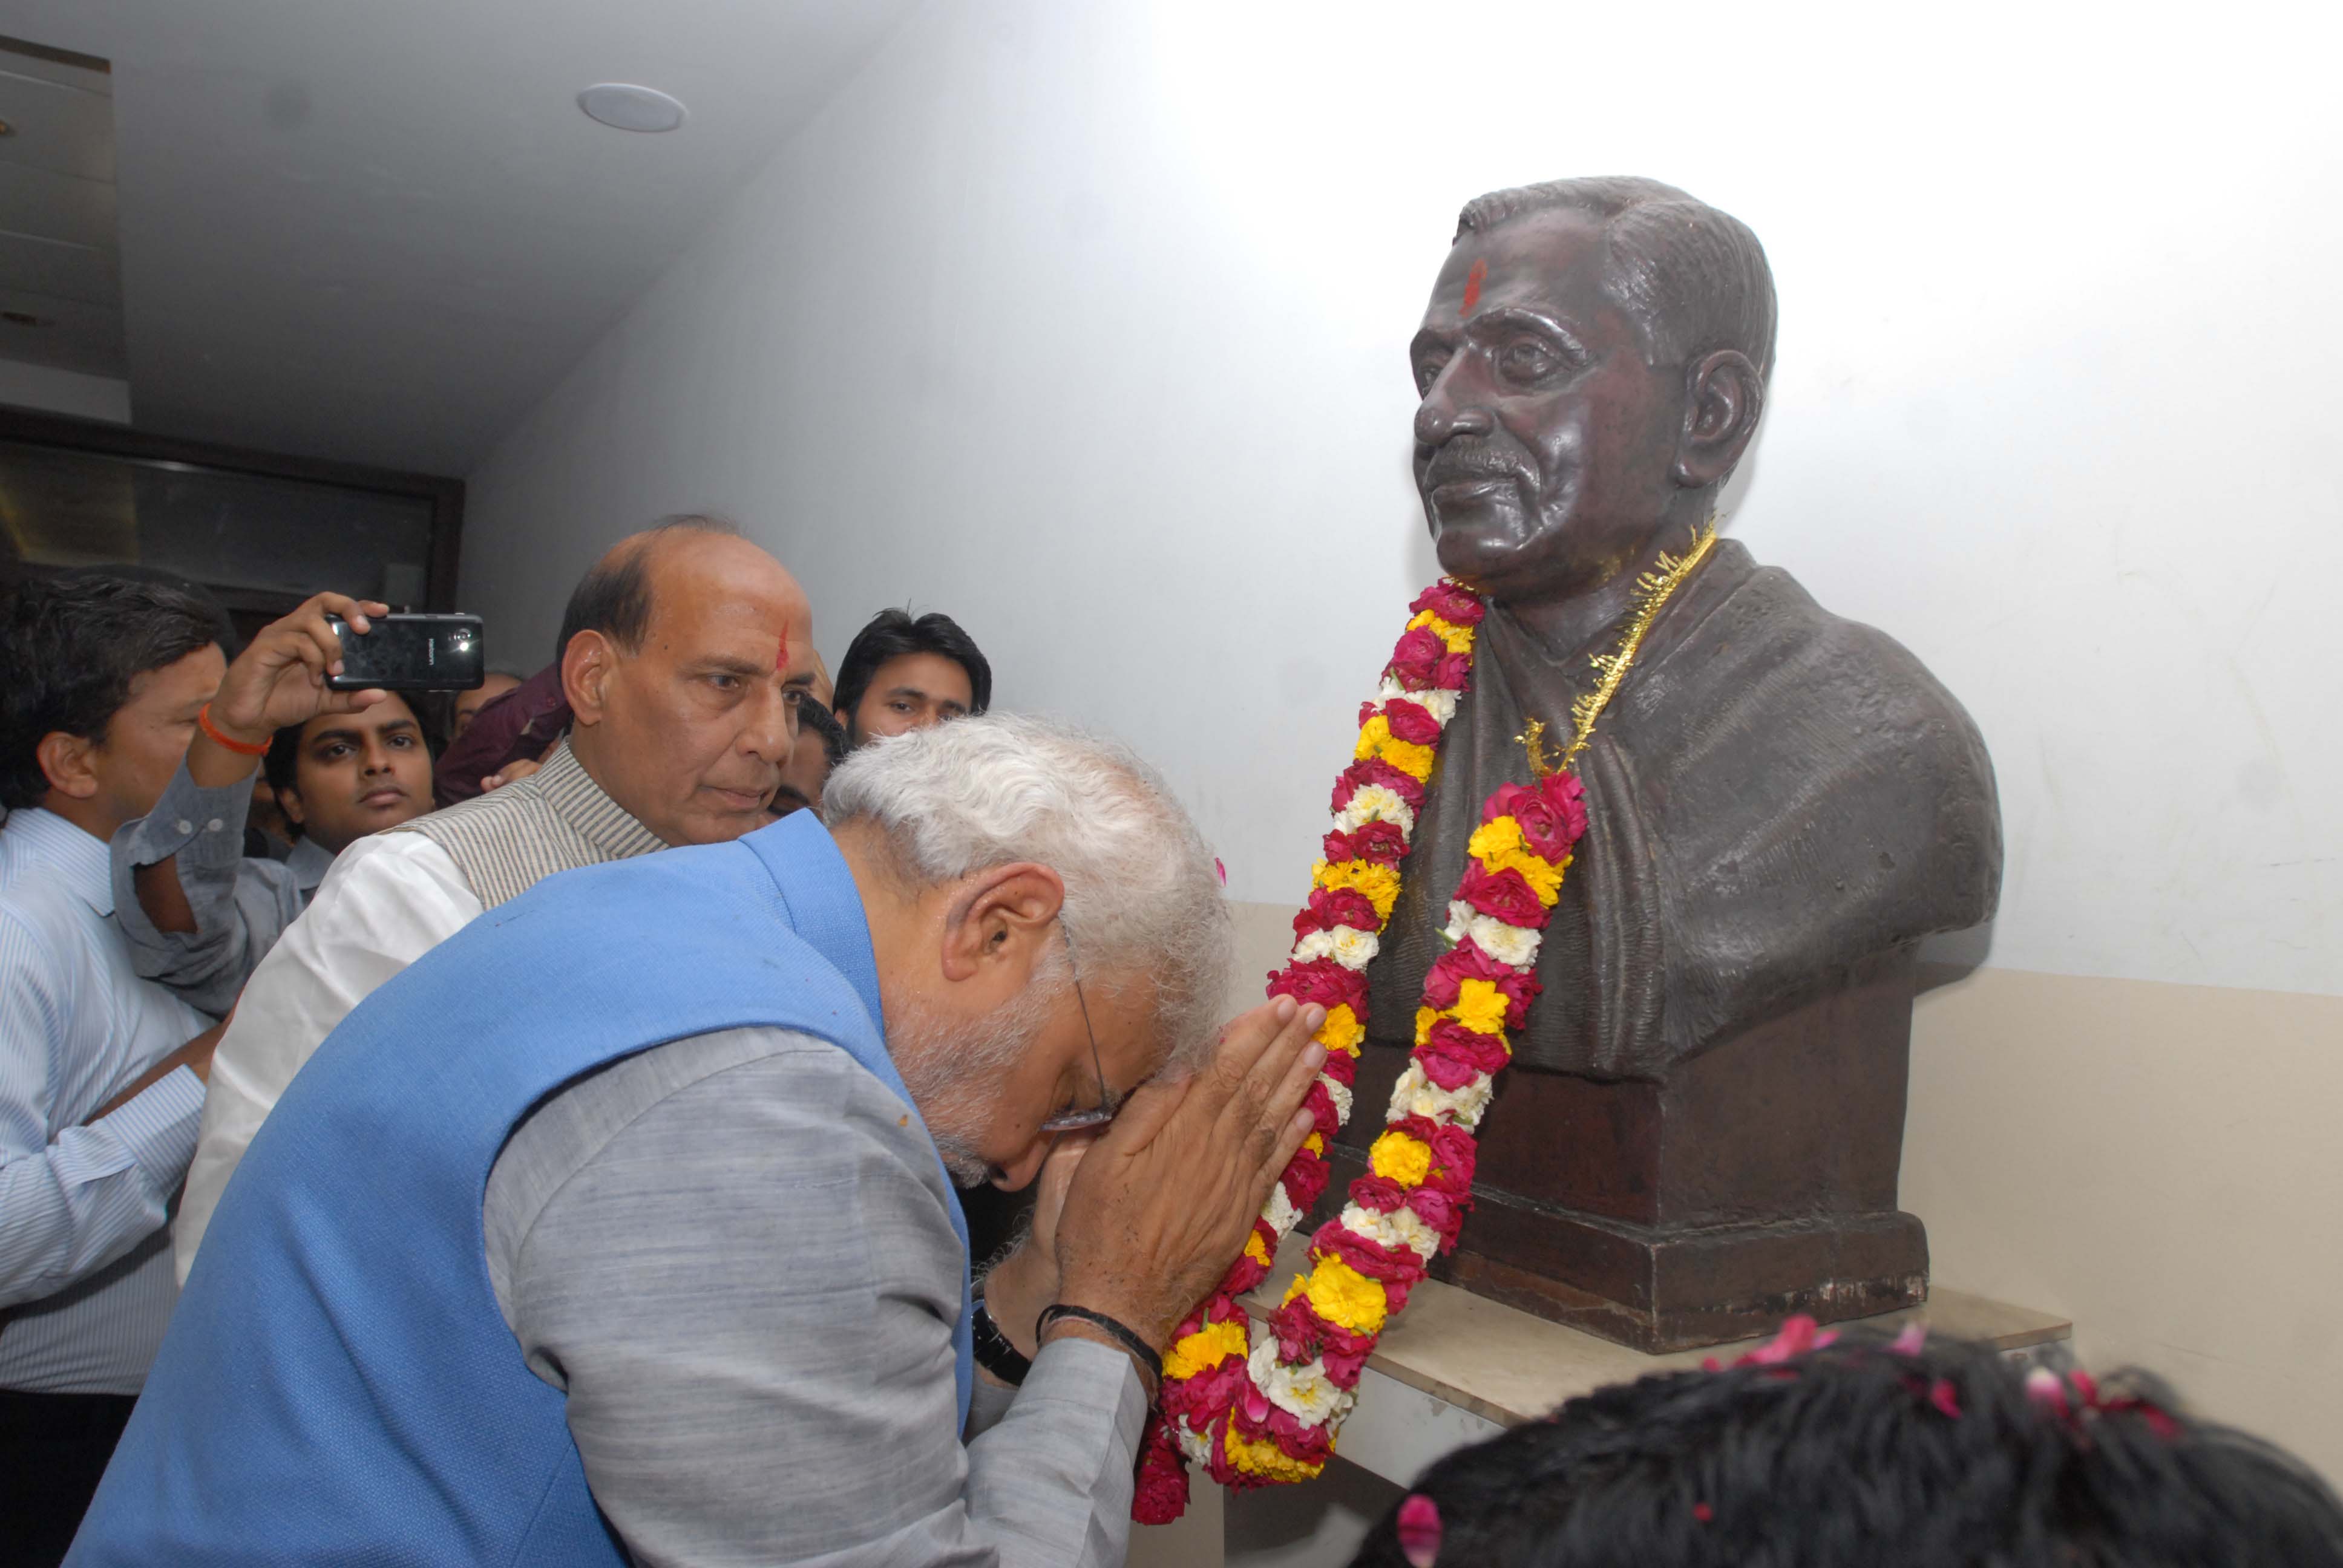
1544 442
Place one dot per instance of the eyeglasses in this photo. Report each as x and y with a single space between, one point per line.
1104 1111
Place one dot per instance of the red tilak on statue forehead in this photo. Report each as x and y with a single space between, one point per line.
1473 281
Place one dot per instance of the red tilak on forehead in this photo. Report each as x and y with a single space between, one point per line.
1473 288
782 660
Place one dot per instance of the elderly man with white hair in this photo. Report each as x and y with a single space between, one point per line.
655 1259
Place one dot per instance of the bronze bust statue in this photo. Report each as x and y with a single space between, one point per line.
1703 1125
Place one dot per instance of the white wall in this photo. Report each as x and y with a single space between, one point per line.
1086 323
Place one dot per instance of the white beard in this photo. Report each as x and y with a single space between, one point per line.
953 1069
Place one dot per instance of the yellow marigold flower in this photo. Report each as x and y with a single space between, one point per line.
1205 1349
1379 883
1346 1298
1266 1458
1480 1007
1315 1143
1342 1031
1301 1283
1424 1018
1459 638
1396 1156
1255 1249
1498 845
1489 840
1373 736
1410 758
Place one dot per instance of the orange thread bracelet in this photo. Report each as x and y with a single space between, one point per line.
241 748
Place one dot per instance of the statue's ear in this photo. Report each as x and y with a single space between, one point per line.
1723 396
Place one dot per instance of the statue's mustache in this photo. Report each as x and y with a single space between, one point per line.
1468 460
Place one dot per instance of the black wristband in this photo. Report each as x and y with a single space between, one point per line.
994 1353
1150 1360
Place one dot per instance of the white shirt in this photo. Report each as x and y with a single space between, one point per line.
85 1283
388 899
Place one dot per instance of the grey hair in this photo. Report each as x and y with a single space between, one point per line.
1143 903
1692 278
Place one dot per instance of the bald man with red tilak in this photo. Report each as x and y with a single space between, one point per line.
689 650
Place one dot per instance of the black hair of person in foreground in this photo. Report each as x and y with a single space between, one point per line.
1863 1454
903 673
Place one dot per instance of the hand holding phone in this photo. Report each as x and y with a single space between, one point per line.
285 676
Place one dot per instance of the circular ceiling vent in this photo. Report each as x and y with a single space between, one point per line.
631 109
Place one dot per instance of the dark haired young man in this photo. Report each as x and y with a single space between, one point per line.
684 654
116 698
200 921
901 674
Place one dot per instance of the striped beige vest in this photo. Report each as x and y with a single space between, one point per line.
555 820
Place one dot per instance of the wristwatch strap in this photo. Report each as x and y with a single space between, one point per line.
994 1353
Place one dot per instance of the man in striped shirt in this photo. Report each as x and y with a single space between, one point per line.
685 654
110 687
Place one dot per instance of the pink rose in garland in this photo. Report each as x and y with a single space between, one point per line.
1336 906
1377 1194
1503 895
1162 1489
1320 1106
1367 1256
1551 815
1416 658
1443 1211
1449 603
1381 842
1411 722
1375 770
1453 1153
1306 1175
1321 980
1465 962
1453 1056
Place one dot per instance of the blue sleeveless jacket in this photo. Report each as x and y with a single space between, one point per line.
339 1384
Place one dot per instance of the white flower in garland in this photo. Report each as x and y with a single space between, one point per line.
1375 803
1280 1210
1419 1096
1514 945
1346 945
1303 1391
1340 1093
1402 1227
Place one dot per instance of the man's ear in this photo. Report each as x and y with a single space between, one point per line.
69 762
1001 916
289 801
587 664
1723 396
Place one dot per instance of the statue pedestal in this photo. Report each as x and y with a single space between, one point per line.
1758 1180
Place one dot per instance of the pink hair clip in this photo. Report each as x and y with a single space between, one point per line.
1419 1530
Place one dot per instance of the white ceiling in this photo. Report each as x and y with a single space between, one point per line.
380 231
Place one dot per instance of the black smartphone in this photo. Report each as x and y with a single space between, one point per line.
410 653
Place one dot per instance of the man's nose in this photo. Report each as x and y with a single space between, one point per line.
1444 414
771 729
1017 1177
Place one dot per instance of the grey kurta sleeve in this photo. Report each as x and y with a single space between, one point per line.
733 1254
241 906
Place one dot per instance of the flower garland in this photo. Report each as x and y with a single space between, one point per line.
1258 1404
